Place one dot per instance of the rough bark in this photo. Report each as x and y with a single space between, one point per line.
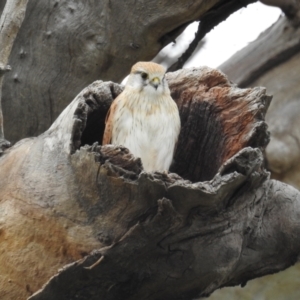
10 23
154 235
173 260
65 45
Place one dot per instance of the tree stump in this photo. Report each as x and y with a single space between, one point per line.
117 232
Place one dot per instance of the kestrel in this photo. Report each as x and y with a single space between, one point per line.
144 118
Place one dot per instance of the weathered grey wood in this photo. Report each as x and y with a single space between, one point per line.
10 22
223 244
161 236
65 45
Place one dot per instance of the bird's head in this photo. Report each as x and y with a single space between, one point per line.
148 77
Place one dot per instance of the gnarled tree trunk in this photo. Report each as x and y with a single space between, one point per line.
219 221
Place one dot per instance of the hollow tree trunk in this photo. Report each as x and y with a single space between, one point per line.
152 235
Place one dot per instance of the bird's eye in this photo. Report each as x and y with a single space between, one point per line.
144 75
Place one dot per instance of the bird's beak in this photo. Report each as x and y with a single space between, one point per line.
155 82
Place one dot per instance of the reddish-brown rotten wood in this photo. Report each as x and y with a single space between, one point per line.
218 120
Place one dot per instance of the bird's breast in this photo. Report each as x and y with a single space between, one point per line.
149 131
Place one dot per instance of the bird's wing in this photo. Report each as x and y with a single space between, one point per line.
109 121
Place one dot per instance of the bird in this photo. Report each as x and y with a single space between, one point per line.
144 118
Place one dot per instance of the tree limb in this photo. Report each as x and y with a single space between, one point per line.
10 23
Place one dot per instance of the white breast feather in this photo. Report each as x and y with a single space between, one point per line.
151 137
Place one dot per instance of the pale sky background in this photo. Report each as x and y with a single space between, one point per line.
227 38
